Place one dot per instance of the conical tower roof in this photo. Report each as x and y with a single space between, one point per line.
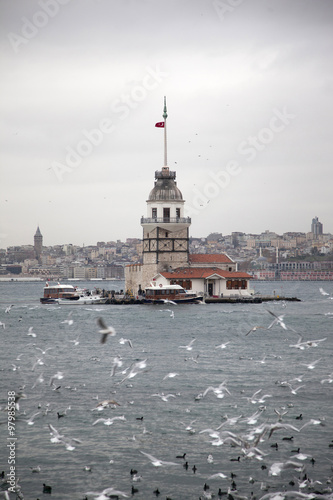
165 188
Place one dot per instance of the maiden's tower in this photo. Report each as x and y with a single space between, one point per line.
165 228
165 246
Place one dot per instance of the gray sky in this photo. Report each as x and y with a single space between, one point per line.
249 93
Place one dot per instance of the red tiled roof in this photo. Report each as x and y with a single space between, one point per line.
203 272
209 258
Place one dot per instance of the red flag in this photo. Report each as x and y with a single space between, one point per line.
159 124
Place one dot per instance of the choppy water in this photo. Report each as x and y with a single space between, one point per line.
247 364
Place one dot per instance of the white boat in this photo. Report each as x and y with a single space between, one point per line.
164 294
84 299
70 295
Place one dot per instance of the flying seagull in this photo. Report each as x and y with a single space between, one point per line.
278 321
156 462
105 330
254 329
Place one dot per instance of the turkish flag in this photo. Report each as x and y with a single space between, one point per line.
159 124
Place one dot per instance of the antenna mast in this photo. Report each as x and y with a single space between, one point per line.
165 115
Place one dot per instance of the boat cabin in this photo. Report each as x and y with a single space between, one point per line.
59 292
161 292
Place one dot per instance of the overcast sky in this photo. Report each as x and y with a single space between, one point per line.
249 94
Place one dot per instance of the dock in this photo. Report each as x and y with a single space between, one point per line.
121 300
249 300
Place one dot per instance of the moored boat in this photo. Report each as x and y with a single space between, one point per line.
163 294
70 295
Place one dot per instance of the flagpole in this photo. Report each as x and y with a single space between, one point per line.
165 132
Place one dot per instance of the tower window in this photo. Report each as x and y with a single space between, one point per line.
166 234
166 213
177 212
154 213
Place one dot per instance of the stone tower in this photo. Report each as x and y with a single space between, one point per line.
165 229
38 244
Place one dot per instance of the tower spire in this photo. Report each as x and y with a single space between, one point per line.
165 115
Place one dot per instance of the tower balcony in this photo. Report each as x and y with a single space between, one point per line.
166 220
165 173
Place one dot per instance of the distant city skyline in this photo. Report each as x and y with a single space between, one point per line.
38 237
249 124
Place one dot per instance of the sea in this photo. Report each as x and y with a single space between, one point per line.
183 402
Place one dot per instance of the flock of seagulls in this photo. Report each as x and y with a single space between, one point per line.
256 429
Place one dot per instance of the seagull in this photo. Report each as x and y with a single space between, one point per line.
299 345
170 375
253 419
60 438
109 421
76 341
39 362
39 380
188 347
107 494
167 301
218 474
282 495
277 426
218 391
329 379
117 363
254 329
56 436
105 404
322 291
35 469
134 369
2 324
294 391
222 346
312 365
68 321
280 414
41 350
124 341
105 330
164 397
278 320
31 333
156 462
308 343
30 421
7 310
314 343
58 376
277 467
189 428
252 398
